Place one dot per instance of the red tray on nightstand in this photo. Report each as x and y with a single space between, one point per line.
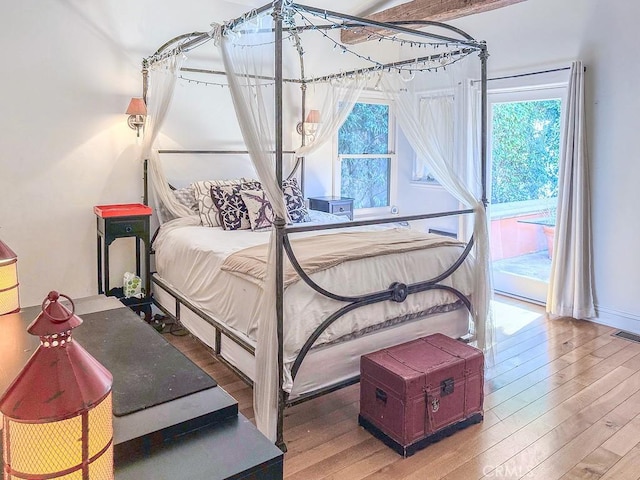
122 210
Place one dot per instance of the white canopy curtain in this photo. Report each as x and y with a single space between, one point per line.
341 94
162 81
570 285
438 153
249 56
440 133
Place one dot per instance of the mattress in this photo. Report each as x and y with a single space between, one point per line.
189 258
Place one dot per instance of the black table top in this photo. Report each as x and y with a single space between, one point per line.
147 370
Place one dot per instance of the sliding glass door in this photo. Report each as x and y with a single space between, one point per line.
524 148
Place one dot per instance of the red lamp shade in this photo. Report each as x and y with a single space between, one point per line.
136 107
57 412
313 116
136 110
9 297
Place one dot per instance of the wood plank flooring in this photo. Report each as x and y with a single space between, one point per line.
562 401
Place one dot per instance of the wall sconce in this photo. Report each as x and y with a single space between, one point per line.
310 125
9 296
57 413
136 110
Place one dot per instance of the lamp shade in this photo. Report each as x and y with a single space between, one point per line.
9 296
313 116
136 107
57 413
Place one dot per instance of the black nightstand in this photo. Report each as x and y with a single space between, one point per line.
122 221
336 205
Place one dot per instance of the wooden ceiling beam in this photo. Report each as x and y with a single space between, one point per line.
434 10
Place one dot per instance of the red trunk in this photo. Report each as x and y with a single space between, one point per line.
418 392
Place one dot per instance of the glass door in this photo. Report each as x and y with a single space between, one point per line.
524 148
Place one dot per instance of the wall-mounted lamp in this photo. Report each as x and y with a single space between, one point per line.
136 110
310 125
9 298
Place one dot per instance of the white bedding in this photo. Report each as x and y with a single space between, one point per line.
189 259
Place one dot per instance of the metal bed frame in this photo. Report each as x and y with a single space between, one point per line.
397 291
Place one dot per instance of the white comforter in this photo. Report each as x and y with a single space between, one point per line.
189 258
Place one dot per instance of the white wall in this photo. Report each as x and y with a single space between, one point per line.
71 66
69 70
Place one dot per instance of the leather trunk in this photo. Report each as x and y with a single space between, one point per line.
421 391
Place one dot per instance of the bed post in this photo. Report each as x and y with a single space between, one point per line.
279 223
145 172
484 55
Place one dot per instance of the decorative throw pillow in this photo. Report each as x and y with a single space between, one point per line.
259 209
186 197
206 208
294 201
232 212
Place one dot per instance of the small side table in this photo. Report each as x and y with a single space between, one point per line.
122 221
336 205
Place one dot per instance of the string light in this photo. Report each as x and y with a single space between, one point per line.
289 11
217 84
442 59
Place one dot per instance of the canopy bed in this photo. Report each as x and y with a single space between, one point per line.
291 307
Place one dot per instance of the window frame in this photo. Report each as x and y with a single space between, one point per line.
391 155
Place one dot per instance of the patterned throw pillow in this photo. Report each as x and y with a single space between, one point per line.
259 209
295 201
186 197
232 212
206 208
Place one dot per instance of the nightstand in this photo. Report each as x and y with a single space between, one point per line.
122 221
336 205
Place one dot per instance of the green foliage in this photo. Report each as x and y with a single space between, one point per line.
525 150
366 180
366 131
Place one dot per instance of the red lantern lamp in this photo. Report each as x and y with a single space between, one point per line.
9 300
58 420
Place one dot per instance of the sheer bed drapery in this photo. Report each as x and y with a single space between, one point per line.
248 55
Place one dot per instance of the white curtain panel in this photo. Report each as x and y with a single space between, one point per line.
433 142
340 96
571 286
162 81
248 56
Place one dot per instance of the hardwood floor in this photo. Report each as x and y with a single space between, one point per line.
562 401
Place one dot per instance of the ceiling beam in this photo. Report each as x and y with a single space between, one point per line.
434 10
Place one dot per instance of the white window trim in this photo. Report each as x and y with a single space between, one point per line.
393 167
393 182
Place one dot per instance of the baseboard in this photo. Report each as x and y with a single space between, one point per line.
617 319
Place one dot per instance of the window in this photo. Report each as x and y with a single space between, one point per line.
366 167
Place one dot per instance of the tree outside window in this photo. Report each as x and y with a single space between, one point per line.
363 152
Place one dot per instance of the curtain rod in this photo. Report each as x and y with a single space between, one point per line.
215 152
539 72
